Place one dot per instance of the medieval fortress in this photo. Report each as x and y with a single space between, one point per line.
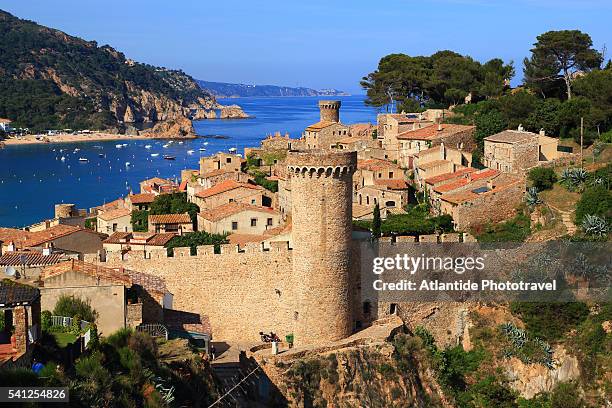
305 290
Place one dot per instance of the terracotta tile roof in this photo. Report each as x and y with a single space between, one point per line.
14 235
320 125
183 186
50 234
29 258
469 195
13 294
120 276
170 219
449 176
281 229
138 238
479 175
431 132
4 120
144 198
187 321
434 163
511 136
114 214
374 164
225 186
157 180
241 239
362 210
229 209
392 184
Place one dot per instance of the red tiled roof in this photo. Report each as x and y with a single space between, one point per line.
50 234
29 258
143 198
136 238
431 132
156 180
121 276
479 175
14 235
4 120
225 186
170 219
187 321
114 214
232 208
320 125
374 164
392 184
468 195
183 186
511 136
241 239
449 176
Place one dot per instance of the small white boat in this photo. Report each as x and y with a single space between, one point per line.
189 151
166 146
128 164
180 142
148 146
76 150
83 159
118 146
154 154
202 149
63 158
205 143
232 150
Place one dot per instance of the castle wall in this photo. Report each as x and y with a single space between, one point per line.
242 293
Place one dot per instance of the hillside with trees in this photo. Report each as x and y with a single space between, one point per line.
51 80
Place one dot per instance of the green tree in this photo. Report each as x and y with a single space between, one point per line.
140 220
561 54
596 200
488 124
596 87
70 306
542 178
376 222
174 204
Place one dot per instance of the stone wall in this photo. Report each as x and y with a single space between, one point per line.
242 293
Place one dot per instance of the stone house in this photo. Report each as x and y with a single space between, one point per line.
20 306
370 170
326 133
212 178
383 195
111 221
69 239
170 223
157 186
122 298
144 242
438 160
390 125
239 218
511 151
411 142
28 264
466 180
140 202
232 162
230 191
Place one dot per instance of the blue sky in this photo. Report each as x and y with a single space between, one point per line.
312 43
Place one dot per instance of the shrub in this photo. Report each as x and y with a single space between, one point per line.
597 201
542 178
45 320
513 230
70 306
594 226
550 321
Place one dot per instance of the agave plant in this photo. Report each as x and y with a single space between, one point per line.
578 176
532 198
598 181
594 226
565 175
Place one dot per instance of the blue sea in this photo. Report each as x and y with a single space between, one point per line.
33 178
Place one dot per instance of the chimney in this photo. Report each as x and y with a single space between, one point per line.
10 247
520 128
48 248
542 132
439 127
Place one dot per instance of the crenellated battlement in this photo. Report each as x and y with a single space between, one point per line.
202 252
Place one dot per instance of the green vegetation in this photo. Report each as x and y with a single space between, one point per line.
596 200
64 338
194 239
124 370
527 349
261 180
91 78
550 321
513 230
417 221
175 203
542 178
376 222
91 223
71 306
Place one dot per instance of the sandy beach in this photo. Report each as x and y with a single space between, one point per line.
70 138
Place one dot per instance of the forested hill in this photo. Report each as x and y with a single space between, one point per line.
52 80
227 90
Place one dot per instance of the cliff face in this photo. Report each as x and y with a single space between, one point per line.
77 84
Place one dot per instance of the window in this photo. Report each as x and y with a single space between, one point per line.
253 201
393 308
231 200
253 222
269 223
234 225
228 160
367 200
390 174
390 204
114 227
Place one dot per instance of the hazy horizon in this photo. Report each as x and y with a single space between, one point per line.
315 44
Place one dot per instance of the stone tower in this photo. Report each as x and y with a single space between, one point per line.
321 197
330 111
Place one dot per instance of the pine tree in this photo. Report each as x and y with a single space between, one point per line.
376 223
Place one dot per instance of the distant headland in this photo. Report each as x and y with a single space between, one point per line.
228 90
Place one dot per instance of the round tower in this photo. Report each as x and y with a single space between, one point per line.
321 205
330 111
